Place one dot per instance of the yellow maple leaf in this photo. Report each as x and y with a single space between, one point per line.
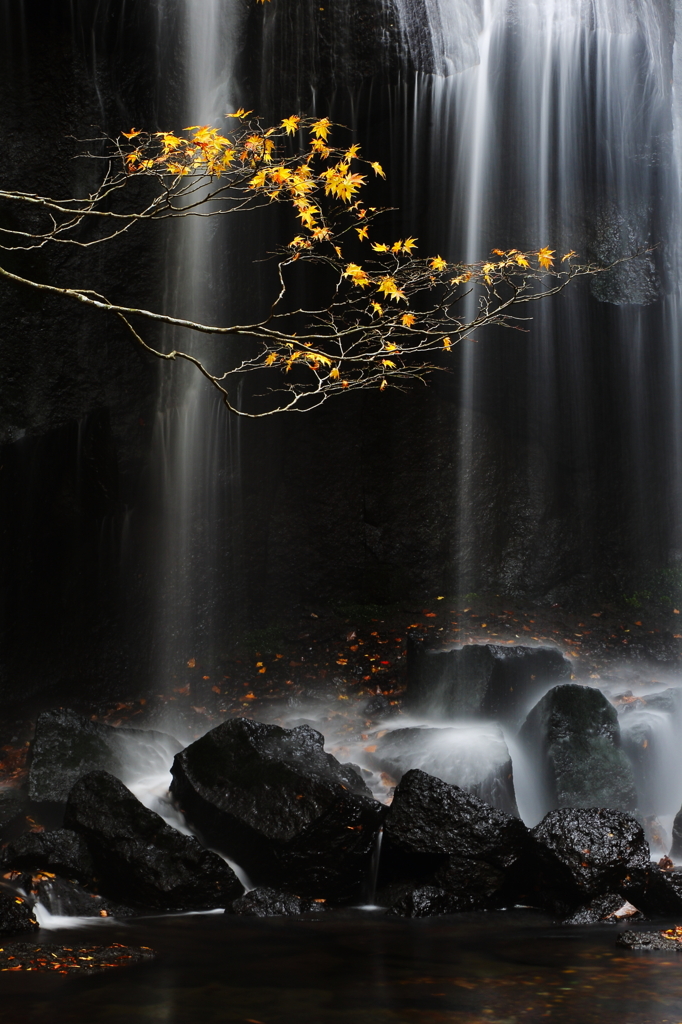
408 245
132 133
521 260
334 374
320 129
241 114
377 168
447 343
291 123
408 319
389 363
568 256
378 309
362 232
379 247
438 263
545 257
271 358
353 151
391 347
487 268
383 385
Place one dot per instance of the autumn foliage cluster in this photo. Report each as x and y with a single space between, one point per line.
381 311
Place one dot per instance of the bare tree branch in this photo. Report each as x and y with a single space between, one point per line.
386 312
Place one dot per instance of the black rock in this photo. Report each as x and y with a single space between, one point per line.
473 884
479 680
430 819
647 940
265 902
584 854
15 913
572 739
439 836
138 857
473 757
275 802
609 909
68 899
423 901
658 893
61 851
67 746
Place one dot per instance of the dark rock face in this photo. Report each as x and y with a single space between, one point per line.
583 854
657 893
422 901
285 810
431 818
138 857
437 836
62 851
15 913
609 909
266 902
67 746
479 680
573 740
474 758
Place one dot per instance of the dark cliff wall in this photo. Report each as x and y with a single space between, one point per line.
354 503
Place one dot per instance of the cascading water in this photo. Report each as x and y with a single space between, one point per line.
196 441
554 123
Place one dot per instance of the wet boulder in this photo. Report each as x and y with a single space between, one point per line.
274 801
479 680
474 757
436 834
67 746
608 909
632 939
421 901
572 740
266 902
583 854
61 851
138 857
16 914
657 892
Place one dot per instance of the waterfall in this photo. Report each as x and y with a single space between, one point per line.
551 123
196 441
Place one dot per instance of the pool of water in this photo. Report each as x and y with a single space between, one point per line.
356 968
